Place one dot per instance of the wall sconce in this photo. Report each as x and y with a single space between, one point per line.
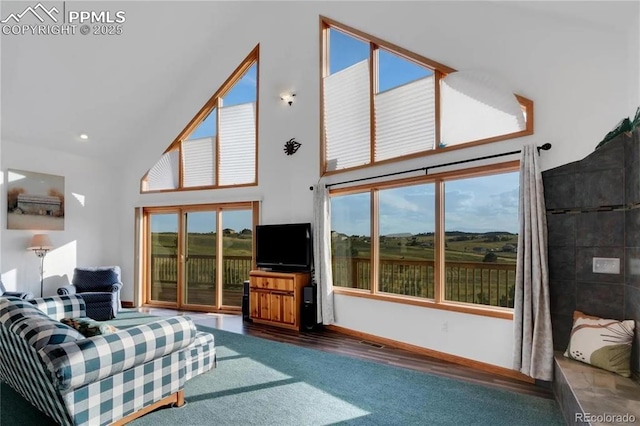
40 244
288 98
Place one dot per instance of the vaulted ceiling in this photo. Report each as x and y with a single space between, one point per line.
114 87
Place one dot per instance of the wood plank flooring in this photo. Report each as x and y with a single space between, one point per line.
340 343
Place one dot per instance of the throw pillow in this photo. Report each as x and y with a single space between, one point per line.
89 327
601 342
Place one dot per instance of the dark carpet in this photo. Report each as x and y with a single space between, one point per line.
261 382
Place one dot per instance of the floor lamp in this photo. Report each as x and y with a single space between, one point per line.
40 244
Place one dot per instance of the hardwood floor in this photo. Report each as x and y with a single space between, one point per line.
339 343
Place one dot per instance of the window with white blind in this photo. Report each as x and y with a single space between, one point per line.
218 148
164 174
382 103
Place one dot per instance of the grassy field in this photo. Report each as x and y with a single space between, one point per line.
475 282
202 244
460 247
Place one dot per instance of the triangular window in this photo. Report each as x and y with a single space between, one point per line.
218 147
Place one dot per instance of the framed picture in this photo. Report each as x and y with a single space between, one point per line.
35 201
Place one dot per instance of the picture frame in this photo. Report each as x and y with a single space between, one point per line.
35 201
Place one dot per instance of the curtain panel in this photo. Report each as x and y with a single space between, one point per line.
323 276
533 341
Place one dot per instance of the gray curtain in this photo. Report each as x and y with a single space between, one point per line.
323 276
533 341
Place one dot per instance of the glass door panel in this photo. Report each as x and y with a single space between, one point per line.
164 257
237 238
200 259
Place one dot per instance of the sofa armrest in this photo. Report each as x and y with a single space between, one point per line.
75 364
58 307
67 289
115 287
19 294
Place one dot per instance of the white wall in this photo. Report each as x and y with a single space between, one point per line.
91 234
463 335
577 75
564 67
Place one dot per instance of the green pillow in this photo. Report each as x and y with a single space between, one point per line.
89 327
601 342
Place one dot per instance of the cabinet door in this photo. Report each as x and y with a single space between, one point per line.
275 302
259 302
264 301
282 308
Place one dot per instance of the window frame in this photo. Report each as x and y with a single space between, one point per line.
439 302
214 103
439 70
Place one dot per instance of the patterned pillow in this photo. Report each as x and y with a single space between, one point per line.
603 343
88 327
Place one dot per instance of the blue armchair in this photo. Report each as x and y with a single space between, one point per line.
19 294
99 287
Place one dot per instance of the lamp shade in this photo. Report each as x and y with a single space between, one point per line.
40 242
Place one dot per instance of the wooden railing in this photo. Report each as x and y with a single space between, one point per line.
200 277
484 283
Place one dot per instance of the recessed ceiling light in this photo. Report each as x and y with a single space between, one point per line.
84 136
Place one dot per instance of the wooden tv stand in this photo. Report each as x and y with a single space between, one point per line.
275 297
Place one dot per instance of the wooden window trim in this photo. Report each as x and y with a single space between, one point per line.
213 103
440 71
439 302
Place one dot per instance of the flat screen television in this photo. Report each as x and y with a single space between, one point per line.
284 247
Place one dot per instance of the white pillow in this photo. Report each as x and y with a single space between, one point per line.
601 342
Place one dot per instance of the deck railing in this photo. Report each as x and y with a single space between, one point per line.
200 277
484 283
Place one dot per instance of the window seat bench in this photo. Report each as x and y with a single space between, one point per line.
591 396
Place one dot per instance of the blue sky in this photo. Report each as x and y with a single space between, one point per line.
393 71
482 204
242 92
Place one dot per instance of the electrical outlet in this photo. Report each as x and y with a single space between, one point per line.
606 265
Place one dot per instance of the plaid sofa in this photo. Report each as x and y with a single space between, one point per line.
101 379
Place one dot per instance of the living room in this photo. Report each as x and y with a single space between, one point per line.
133 93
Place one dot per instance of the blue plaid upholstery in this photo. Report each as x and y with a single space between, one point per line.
201 355
41 332
101 379
122 394
58 307
76 363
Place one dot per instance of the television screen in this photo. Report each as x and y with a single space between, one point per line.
284 247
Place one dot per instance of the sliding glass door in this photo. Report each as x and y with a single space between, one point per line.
237 248
163 257
197 257
200 258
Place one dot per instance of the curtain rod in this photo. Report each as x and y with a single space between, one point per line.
545 147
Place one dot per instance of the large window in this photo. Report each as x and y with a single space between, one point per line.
218 148
447 240
382 103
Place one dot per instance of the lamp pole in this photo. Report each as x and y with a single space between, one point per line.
40 245
41 253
